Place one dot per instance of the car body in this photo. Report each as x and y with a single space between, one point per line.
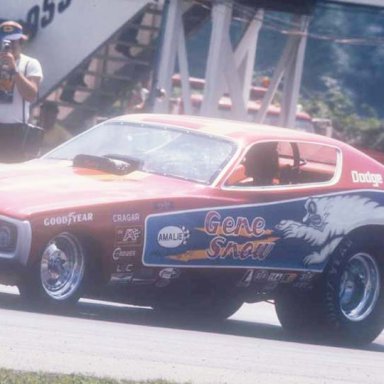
196 216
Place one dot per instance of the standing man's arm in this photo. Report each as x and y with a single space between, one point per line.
27 86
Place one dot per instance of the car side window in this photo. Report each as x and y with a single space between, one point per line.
259 167
314 163
279 163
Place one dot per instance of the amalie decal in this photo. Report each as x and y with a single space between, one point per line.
172 236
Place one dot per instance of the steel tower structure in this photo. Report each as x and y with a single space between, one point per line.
230 69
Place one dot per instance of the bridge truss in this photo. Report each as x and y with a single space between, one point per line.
230 69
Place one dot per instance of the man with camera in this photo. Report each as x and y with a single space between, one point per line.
20 77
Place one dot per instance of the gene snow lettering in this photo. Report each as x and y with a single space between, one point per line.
240 226
223 227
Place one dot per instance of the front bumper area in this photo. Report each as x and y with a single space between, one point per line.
22 248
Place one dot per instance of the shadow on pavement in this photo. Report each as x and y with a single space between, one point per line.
121 313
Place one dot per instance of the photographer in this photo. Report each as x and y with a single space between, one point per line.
20 77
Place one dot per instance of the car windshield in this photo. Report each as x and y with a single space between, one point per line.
162 150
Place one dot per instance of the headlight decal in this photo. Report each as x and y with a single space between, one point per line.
8 237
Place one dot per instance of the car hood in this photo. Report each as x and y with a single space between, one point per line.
46 185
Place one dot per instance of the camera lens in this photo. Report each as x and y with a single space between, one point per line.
6 45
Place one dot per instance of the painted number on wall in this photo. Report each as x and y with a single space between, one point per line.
40 16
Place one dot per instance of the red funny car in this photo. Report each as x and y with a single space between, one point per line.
196 216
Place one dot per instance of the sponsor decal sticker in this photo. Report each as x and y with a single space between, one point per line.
68 219
124 268
121 277
172 236
163 205
260 275
132 236
307 276
169 273
119 218
120 253
280 277
246 280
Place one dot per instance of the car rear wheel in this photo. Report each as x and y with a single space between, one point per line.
347 304
354 291
58 277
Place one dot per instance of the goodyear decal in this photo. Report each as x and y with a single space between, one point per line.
295 235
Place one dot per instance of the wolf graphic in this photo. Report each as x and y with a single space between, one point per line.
328 220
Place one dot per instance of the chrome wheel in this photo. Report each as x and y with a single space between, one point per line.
62 267
359 287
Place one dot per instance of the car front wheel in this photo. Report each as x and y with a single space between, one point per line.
58 277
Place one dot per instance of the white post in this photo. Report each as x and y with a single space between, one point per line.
168 53
245 53
184 70
221 21
285 59
293 78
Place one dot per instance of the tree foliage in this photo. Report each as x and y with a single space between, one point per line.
338 106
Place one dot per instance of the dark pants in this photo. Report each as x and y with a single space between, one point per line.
11 143
19 142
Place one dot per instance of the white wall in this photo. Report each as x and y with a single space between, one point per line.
67 31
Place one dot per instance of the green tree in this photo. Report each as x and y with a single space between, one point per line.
336 104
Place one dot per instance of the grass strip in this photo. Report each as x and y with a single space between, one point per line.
8 376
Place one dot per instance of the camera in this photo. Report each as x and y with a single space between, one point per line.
5 45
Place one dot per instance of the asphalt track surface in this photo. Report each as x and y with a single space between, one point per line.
119 341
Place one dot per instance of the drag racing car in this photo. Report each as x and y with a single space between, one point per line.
196 216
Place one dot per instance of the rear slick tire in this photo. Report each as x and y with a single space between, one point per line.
347 303
354 291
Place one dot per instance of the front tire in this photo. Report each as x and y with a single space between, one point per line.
58 277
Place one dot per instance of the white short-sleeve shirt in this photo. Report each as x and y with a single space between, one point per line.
11 106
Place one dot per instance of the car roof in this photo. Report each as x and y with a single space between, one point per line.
231 129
